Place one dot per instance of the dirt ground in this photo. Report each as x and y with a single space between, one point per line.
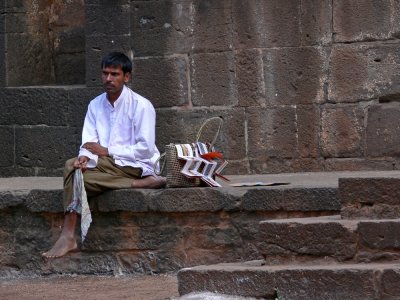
157 287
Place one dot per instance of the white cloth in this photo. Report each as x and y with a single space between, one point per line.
80 203
127 130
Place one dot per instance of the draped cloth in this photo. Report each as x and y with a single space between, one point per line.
80 203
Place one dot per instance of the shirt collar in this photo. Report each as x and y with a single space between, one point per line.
118 101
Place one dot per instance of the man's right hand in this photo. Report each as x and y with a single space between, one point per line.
81 162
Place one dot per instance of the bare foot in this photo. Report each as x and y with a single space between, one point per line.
149 182
61 247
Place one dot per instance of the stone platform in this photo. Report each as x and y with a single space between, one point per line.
161 231
353 254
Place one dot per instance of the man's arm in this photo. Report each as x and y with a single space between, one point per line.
96 148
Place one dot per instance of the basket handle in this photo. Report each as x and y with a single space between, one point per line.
161 166
221 121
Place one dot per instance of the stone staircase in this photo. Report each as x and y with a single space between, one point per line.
350 255
323 236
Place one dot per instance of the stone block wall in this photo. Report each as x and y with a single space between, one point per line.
302 85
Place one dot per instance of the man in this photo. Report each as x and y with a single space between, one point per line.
118 146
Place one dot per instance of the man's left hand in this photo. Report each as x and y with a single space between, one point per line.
96 148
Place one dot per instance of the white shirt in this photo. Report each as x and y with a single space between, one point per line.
127 129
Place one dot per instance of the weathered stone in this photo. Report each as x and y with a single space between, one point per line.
357 164
35 106
83 262
295 75
101 19
69 68
370 197
216 15
380 234
272 132
342 130
213 81
306 23
28 53
364 71
46 147
45 201
164 81
388 286
307 123
363 20
256 26
66 15
323 199
180 200
9 199
150 262
7 146
250 83
2 58
162 27
125 235
96 47
275 165
122 200
297 282
48 31
278 199
383 128
315 237
369 191
316 27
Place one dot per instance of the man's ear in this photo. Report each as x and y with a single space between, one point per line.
127 77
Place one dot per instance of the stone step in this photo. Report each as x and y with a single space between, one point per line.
376 196
148 231
329 238
294 281
156 231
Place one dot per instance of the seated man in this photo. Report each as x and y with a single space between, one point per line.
118 146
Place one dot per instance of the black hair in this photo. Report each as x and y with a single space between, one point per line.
117 59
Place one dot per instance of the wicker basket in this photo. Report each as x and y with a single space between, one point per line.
174 165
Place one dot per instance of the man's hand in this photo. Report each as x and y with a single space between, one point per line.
81 162
96 148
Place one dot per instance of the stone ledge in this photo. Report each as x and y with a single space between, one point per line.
252 279
372 197
155 231
329 239
272 199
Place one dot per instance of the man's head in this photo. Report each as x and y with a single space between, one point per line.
117 59
116 71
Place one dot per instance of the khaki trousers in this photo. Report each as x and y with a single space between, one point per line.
105 176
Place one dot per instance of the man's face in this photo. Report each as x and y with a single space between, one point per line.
113 79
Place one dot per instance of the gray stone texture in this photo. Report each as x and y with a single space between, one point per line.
342 131
383 129
7 146
302 85
295 75
305 23
252 279
46 39
164 81
213 81
364 71
369 197
365 20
